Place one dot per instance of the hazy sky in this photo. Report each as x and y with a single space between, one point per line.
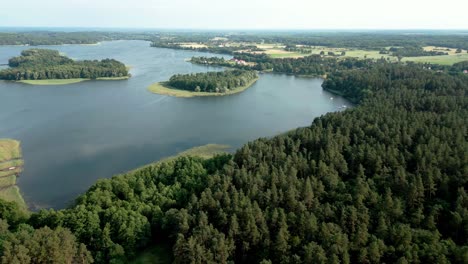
238 14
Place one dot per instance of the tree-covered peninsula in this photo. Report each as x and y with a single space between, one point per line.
36 65
206 84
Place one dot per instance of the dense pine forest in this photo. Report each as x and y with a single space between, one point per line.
212 81
384 182
41 64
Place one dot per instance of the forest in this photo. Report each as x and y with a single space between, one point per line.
384 182
42 64
414 52
212 81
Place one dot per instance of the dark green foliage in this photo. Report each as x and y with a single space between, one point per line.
41 64
38 57
22 244
384 182
216 61
357 84
414 52
459 67
314 65
212 81
119 216
12 213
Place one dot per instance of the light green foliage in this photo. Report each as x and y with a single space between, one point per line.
10 157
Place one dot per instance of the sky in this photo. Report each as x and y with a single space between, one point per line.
237 14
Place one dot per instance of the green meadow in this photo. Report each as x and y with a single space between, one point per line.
10 166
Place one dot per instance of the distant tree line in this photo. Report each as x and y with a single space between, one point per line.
313 65
362 40
41 64
413 52
216 61
36 38
371 41
212 81
212 48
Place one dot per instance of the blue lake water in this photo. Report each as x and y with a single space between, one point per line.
74 134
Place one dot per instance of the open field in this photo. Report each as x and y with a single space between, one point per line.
270 46
13 194
5 172
369 54
10 157
276 51
450 51
443 60
9 149
192 45
69 81
162 88
7 181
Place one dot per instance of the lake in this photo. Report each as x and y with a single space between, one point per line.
73 135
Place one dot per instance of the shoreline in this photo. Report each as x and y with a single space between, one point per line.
163 89
204 151
11 165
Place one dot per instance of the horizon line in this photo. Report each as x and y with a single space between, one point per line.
235 29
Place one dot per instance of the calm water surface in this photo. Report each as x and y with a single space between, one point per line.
73 135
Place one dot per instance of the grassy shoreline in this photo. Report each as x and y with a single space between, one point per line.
10 156
205 151
70 81
163 89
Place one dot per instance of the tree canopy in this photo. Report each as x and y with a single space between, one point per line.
384 182
41 64
212 81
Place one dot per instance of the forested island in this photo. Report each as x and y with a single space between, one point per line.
43 66
384 182
207 83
